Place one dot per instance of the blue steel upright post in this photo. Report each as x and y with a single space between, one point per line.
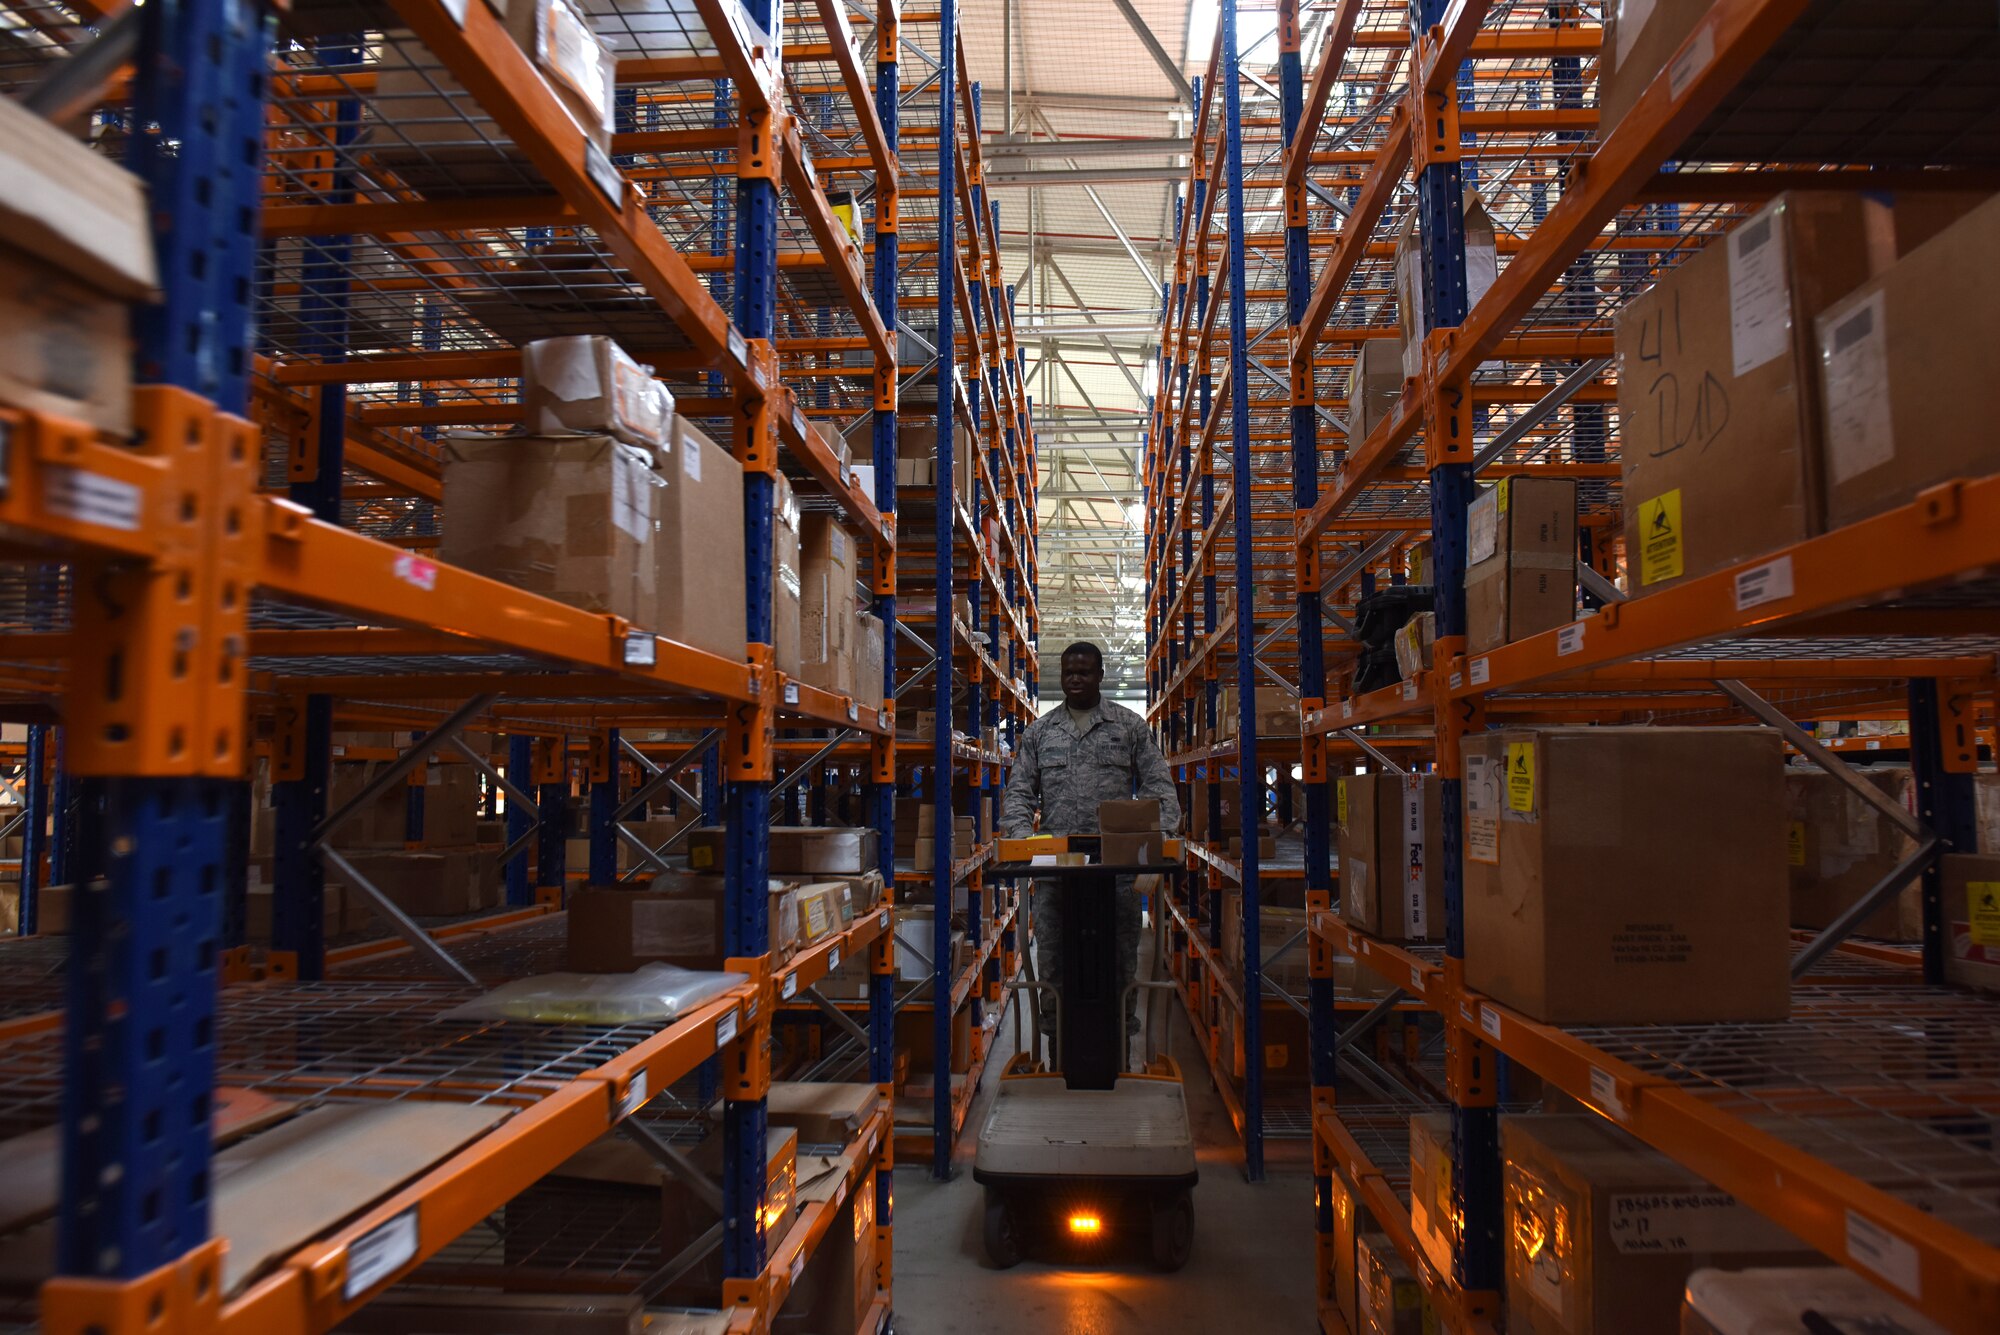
1312 664
751 728
1249 775
140 1027
1448 441
941 774
882 792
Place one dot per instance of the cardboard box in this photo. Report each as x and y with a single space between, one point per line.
1389 1296
75 247
1520 573
834 850
427 883
1414 643
1388 829
577 64
785 576
822 1114
1288 971
1482 268
675 920
829 566
1340 1198
836 1288
1777 1302
1267 846
1128 816
684 1217
1602 1232
451 806
1432 1219
569 517
818 911
383 823
870 680
1627 875
701 573
1895 358
1140 848
257 913
585 385
1838 846
1639 38
1972 919
1718 398
1375 386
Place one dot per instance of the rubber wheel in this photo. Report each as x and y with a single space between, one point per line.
1003 1232
1173 1230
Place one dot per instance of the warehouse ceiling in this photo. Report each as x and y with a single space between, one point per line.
1086 121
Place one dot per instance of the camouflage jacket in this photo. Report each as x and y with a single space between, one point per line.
1064 775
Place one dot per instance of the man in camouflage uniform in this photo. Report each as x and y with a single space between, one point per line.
1070 759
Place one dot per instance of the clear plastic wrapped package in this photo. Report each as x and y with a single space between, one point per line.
655 994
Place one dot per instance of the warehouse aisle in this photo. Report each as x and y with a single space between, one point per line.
1252 1265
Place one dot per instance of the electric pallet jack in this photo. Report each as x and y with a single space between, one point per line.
1080 1154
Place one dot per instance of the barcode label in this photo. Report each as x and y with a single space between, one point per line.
833 958
1490 1021
1410 690
1569 640
1762 584
791 692
1481 671
1457 680
603 173
641 651
635 1095
1416 979
91 498
1604 1092
725 1029
379 1253
853 712
1875 1247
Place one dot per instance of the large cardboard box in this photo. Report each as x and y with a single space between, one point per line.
1639 38
1390 1298
675 920
684 1217
1627 875
1718 396
584 384
837 1286
1895 359
1128 815
257 913
822 1114
1838 847
1432 1218
829 565
870 678
1602 1232
1972 919
1482 269
701 571
1520 572
1389 828
427 883
75 247
383 823
785 576
1375 386
569 517
831 851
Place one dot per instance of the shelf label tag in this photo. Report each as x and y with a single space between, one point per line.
725 1030
456 9
91 498
791 692
1457 680
1762 584
739 347
1489 1020
635 1096
798 1268
1604 1092
1871 1245
603 173
1416 980
1410 690
641 650
1482 671
833 959
1569 640
417 572
853 712
791 988
379 1253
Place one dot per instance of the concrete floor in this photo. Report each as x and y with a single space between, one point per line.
1251 1268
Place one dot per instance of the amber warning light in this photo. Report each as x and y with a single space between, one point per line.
1085 1225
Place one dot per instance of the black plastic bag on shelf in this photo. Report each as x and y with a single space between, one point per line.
1382 613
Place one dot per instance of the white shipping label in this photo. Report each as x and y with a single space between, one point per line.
1482 270
631 495
1630 22
1482 808
1766 583
1760 304
691 459
1482 671
1482 526
1881 1251
1416 914
90 498
379 1253
1854 371
1695 57
1354 886
1674 1222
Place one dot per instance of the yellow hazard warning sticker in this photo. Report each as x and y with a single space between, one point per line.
1521 776
1662 555
1795 843
1500 501
1982 909
701 856
1340 802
